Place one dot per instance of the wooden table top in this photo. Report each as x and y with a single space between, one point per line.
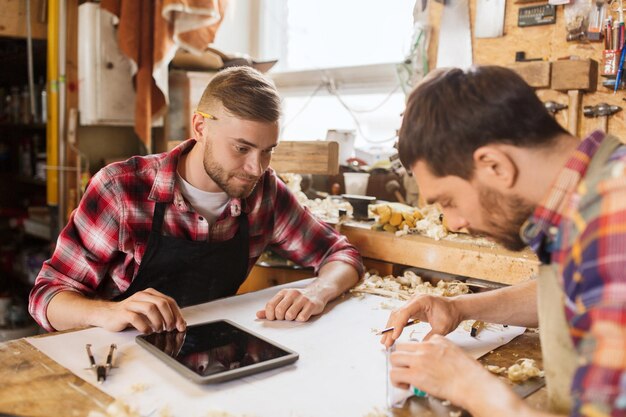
32 384
461 256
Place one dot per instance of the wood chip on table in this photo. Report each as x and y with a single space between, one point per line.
522 370
404 287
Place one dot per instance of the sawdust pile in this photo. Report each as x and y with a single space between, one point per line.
522 370
406 286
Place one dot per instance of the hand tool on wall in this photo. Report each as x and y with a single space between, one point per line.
574 76
602 111
535 71
393 187
553 107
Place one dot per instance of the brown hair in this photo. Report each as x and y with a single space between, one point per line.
452 112
245 93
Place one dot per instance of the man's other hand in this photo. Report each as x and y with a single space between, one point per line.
293 304
148 311
440 312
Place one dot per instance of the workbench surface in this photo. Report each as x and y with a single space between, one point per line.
32 384
462 256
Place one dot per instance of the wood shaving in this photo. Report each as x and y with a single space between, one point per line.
138 387
522 370
376 412
165 412
495 369
406 286
403 220
386 306
219 413
116 409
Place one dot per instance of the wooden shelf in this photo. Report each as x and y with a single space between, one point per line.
462 258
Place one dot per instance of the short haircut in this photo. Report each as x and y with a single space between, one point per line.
245 93
453 112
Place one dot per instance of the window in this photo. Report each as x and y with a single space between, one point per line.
330 33
339 64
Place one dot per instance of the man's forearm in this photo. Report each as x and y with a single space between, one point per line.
335 278
515 305
494 398
69 310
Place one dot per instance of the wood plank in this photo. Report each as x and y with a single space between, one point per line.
536 74
494 264
306 157
34 385
297 157
13 19
581 74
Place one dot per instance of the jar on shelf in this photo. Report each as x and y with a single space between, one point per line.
26 116
14 111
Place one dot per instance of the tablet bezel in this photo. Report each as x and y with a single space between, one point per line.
237 373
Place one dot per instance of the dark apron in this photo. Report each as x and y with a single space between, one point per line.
191 272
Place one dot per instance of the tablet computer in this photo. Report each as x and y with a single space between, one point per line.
216 351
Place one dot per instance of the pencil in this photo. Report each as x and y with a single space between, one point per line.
410 322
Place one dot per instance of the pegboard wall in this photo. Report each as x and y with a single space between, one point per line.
549 42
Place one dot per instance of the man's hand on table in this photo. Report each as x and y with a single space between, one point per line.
293 304
438 367
148 311
440 312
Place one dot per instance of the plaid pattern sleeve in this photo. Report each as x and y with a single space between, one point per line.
594 277
582 223
99 252
302 238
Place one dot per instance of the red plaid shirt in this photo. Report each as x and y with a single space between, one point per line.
590 250
99 252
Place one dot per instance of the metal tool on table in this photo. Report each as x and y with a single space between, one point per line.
602 111
101 370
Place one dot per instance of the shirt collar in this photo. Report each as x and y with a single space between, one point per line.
164 188
547 215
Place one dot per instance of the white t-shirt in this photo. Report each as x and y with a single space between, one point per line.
209 205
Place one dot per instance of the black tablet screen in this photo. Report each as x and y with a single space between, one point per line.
212 348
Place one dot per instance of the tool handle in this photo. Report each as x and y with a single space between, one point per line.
92 361
110 355
101 372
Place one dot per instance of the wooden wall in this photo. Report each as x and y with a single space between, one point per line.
13 19
539 41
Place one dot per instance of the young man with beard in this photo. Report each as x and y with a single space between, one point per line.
482 145
159 232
